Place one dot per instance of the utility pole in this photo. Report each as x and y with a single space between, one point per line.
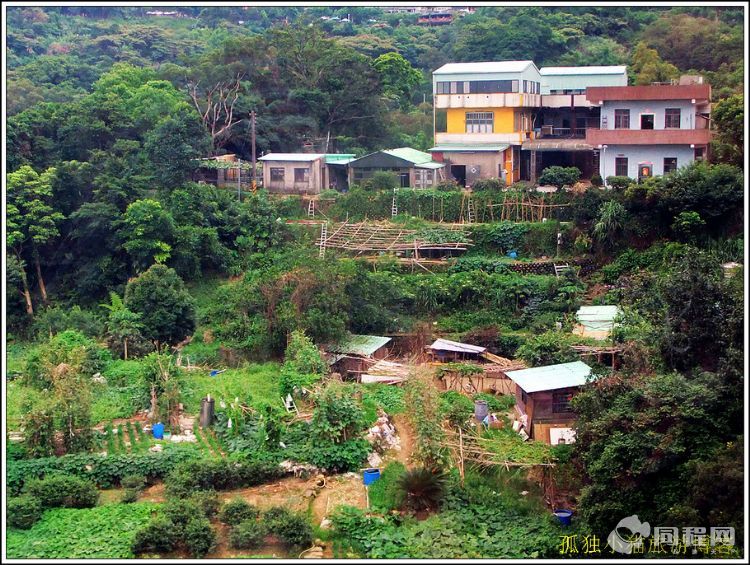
252 117
239 176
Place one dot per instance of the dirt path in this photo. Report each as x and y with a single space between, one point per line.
406 435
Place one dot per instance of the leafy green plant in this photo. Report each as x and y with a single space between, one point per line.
158 536
421 488
548 348
238 510
560 176
384 493
200 537
248 534
102 532
22 512
63 491
207 501
292 528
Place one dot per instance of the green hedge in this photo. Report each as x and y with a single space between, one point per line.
104 471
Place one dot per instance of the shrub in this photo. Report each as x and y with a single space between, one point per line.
619 183
560 176
500 236
180 511
496 403
158 536
337 457
455 407
207 474
136 482
383 180
199 537
238 510
63 491
488 184
291 527
596 180
421 489
207 501
23 512
449 185
547 349
130 495
248 534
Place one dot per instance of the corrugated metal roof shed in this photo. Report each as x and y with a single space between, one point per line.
591 70
364 345
339 158
551 377
470 148
291 157
448 345
485 67
430 165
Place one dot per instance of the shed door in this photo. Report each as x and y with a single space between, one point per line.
473 173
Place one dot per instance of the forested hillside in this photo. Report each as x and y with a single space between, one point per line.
118 265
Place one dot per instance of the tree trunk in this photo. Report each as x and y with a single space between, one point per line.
27 293
125 346
42 288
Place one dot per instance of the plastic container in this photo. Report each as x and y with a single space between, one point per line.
369 476
480 410
564 516
512 254
158 431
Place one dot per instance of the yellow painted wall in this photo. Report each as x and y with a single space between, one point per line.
457 119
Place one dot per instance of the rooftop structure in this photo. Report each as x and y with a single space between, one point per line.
551 377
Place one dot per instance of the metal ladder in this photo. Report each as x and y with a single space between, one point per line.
311 209
323 237
394 205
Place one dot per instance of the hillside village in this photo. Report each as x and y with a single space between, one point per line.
374 283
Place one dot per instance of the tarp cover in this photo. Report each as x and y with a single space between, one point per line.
448 345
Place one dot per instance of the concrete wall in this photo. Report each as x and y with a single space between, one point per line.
582 81
636 154
318 178
488 163
656 107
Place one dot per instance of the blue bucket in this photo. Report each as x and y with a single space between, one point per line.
158 431
564 516
370 476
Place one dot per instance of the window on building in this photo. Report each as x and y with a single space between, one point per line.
672 118
514 86
441 121
621 166
277 174
647 121
561 402
526 86
698 154
479 122
302 175
622 119
670 164
443 88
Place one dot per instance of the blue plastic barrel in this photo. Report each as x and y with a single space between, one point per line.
370 476
158 430
512 254
564 516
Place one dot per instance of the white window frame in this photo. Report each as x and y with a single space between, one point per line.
480 122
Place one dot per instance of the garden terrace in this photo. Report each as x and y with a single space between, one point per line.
367 237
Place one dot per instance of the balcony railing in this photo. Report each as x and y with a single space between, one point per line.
548 132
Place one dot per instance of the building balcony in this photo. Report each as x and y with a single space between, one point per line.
597 137
514 138
496 100
697 92
566 101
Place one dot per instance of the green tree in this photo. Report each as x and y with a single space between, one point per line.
146 229
32 221
646 66
729 118
122 324
165 306
398 77
610 223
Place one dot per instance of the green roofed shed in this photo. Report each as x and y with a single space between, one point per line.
362 345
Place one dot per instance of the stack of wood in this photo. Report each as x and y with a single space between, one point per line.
386 372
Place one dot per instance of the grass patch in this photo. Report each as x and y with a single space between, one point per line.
256 384
20 399
103 532
388 397
384 495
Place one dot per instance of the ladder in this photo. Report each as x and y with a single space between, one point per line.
394 205
323 237
311 209
470 209
560 269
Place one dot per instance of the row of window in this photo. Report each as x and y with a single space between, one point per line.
671 119
300 175
482 122
621 166
487 86
560 401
